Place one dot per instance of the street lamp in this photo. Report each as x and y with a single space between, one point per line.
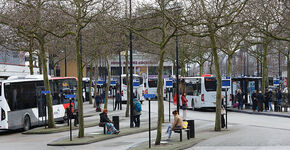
131 71
177 80
120 80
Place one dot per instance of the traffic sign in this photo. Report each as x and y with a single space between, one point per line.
149 96
69 96
45 92
226 84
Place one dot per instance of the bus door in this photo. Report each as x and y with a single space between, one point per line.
3 120
41 104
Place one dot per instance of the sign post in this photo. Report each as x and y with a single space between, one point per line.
226 84
70 114
149 96
45 92
169 86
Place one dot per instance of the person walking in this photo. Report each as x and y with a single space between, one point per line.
117 100
176 124
254 100
240 99
137 108
279 96
266 99
98 100
223 113
260 99
269 97
184 105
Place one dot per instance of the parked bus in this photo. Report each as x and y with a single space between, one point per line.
151 87
86 85
201 92
22 105
138 87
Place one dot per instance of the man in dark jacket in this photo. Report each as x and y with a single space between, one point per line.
260 99
266 100
118 100
254 100
240 99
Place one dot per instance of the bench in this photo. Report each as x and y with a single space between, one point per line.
104 127
179 130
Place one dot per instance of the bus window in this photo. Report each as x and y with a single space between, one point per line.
210 84
189 88
152 83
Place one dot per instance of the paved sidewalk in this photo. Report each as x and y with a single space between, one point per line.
267 113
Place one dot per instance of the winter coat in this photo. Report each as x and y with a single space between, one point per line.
260 98
135 112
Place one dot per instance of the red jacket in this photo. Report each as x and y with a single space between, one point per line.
184 100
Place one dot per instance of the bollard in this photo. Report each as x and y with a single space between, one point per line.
116 122
191 128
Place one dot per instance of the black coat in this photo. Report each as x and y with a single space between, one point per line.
260 98
240 97
104 117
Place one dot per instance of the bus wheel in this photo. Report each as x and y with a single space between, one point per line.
26 124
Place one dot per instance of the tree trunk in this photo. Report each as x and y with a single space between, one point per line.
128 85
108 82
31 56
288 78
80 76
40 63
160 97
31 61
51 123
200 69
265 80
219 81
229 67
211 62
96 80
90 86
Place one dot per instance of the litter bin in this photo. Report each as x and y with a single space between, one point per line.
116 122
191 128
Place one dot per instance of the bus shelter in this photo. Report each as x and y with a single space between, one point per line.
247 85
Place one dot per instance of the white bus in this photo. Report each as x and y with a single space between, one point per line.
86 85
138 86
151 86
201 92
22 105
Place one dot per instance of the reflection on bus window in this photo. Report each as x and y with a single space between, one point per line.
152 82
210 84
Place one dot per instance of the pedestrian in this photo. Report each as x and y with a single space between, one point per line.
279 96
104 120
103 96
266 99
260 99
137 108
254 100
240 99
223 112
176 124
184 105
117 100
98 100
236 104
76 113
269 97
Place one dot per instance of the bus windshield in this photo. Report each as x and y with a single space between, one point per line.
210 84
152 83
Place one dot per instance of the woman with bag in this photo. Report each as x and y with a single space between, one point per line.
184 105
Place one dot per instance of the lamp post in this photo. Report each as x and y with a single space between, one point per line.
65 71
177 80
131 71
120 80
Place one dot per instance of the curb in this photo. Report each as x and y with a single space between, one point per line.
260 113
102 137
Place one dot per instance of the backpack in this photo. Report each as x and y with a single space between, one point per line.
138 106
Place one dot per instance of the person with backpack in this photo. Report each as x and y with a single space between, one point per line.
137 108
